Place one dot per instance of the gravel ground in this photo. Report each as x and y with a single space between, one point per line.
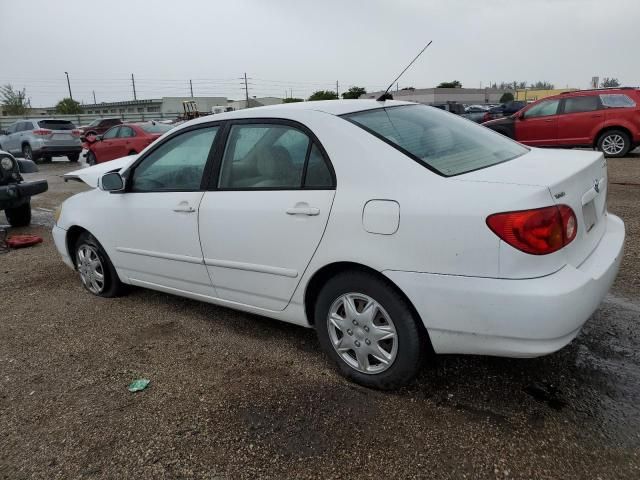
234 395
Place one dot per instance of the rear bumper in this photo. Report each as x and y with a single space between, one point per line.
514 318
16 193
58 149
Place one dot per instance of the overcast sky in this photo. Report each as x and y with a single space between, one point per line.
305 45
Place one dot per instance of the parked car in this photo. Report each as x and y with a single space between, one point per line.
99 126
475 113
122 140
15 193
392 228
42 138
503 110
608 120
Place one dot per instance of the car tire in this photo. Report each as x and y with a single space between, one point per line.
91 158
27 153
355 341
19 216
74 157
614 143
97 273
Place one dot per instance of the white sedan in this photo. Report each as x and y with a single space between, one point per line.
393 229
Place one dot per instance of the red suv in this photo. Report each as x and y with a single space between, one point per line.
607 119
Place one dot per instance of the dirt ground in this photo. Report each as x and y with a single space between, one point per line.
234 395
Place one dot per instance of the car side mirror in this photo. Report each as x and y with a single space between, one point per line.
520 116
111 182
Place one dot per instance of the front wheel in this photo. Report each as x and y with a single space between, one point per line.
97 273
614 143
19 216
369 331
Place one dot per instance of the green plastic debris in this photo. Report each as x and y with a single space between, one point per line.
138 385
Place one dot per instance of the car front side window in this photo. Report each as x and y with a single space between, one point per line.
111 133
177 164
543 109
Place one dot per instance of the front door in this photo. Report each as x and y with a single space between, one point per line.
157 217
263 221
106 148
538 125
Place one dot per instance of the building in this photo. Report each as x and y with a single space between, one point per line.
431 96
532 95
253 102
164 105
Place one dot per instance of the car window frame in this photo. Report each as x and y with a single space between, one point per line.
206 173
313 139
561 107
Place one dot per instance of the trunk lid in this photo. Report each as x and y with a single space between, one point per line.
575 178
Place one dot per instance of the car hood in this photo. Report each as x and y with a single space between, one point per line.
90 175
498 121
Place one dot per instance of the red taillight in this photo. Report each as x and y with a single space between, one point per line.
486 117
76 133
539 231
43 132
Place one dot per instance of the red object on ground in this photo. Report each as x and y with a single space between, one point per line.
21 241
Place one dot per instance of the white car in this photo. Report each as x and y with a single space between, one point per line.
393 229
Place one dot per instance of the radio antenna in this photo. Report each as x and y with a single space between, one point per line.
386 95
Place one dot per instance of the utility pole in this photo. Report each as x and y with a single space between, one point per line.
69 85
397 87
337 94
133 82
246 90
94 97
191 88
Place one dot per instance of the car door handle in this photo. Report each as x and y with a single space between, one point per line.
184 207
309 211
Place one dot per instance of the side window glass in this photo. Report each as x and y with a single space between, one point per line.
543 109
263 156
581 104
318 173
12 129
112 133
25 126
616 100
178 164
126 132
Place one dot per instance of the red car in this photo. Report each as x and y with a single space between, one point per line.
606 119
99 126
122 140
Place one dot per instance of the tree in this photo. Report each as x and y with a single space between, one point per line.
542 85
610 82
292 100
15 101
323 95
354 92
506 97
68 106
454 84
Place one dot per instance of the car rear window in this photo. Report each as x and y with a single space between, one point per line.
446 143
616 100
56 124
155 127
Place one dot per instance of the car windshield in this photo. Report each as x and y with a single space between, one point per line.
56 124
446 143
155 127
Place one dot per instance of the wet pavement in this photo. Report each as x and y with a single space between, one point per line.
234 395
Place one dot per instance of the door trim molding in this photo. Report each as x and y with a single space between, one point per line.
166 256
251 267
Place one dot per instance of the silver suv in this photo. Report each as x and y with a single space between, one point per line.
42 138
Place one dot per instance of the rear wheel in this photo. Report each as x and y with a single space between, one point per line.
97 273
19 216
614 143
369 331
74 157
27 152
91 158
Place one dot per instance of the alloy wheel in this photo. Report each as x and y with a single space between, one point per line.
362 333
613 144
90 268
27 153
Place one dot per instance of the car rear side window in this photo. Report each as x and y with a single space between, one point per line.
581 104
56 124
126 132
617 100
445 143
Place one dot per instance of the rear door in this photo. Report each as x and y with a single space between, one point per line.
538 125
267 211
580 118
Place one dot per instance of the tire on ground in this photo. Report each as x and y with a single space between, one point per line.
113 287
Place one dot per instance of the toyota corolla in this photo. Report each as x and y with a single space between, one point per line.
393 229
